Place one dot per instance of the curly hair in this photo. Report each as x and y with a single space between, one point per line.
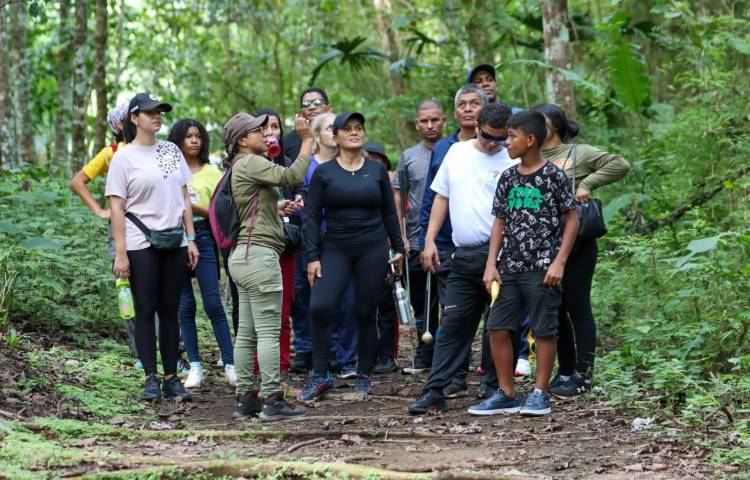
179 131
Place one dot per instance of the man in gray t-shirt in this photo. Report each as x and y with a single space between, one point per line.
411 176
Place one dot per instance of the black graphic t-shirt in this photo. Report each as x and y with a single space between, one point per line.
532 207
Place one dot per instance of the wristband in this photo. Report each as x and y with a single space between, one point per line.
190 238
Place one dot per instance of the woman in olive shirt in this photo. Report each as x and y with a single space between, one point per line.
594 168
254 263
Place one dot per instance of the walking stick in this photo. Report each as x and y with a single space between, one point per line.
427 336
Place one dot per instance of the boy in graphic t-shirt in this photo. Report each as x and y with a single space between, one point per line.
533 206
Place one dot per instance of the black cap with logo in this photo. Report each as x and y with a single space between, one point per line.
146 102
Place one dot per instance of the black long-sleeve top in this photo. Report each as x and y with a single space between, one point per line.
359 208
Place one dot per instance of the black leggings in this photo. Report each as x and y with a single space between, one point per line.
156 279
576 343
368 264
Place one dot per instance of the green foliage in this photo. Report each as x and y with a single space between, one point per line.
54 269
108 386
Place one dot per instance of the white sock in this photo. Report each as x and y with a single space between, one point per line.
196 365
538 390
564 378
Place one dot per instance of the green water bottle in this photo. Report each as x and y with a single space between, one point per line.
125 298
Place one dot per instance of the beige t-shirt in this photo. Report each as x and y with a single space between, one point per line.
150 179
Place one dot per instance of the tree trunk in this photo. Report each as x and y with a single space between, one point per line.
7 145
80 88
100 75
557 54
24 126
62 116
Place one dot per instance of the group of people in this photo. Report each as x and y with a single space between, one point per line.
326 226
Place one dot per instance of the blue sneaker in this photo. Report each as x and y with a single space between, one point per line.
315 388
362 390
498 403
537 404
347 372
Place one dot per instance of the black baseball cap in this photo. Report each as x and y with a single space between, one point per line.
145 102
342 118
485 67
373 147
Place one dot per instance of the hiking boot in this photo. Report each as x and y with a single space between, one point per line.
230 374
570 387
275 408
315 388
151 388
523 367
537 404
195 376
385 365
172 387
454 390
302 362
432 401
485 391
248 405
347 372
498 403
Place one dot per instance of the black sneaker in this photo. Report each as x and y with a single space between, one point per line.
302 362
173 387
574 386
485 391
428 402
275 408
151 388
248 405
454 390
385 365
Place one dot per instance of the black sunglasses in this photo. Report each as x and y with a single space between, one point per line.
491 138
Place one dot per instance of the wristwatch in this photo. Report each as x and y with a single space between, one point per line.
190 238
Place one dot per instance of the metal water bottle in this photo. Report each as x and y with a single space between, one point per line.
125 298
402 303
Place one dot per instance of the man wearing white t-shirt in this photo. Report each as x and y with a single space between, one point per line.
465 188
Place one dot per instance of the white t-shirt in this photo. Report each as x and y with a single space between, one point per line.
468 178
150 179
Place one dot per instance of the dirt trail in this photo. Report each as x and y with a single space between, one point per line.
583 438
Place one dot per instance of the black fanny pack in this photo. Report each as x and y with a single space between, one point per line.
168 239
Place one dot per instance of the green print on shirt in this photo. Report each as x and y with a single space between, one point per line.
525 197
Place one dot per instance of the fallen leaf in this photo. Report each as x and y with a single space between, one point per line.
356 439
657 467
636 467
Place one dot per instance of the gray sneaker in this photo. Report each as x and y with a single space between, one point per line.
537 405
496 404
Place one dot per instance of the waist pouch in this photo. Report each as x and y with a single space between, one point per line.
168 239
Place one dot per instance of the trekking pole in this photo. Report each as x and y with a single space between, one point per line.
427 336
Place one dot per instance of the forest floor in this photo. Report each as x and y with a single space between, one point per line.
69 414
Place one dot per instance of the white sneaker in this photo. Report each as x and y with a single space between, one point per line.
230 375
523 367
220 363
195 377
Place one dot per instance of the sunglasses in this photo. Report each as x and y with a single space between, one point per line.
315 102
491 138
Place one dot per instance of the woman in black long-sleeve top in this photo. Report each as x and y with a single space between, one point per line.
355 197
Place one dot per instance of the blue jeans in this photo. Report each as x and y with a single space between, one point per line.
301 307
207 273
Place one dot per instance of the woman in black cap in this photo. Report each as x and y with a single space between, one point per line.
148 179
360 219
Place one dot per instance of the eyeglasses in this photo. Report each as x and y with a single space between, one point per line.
493 139
315 102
